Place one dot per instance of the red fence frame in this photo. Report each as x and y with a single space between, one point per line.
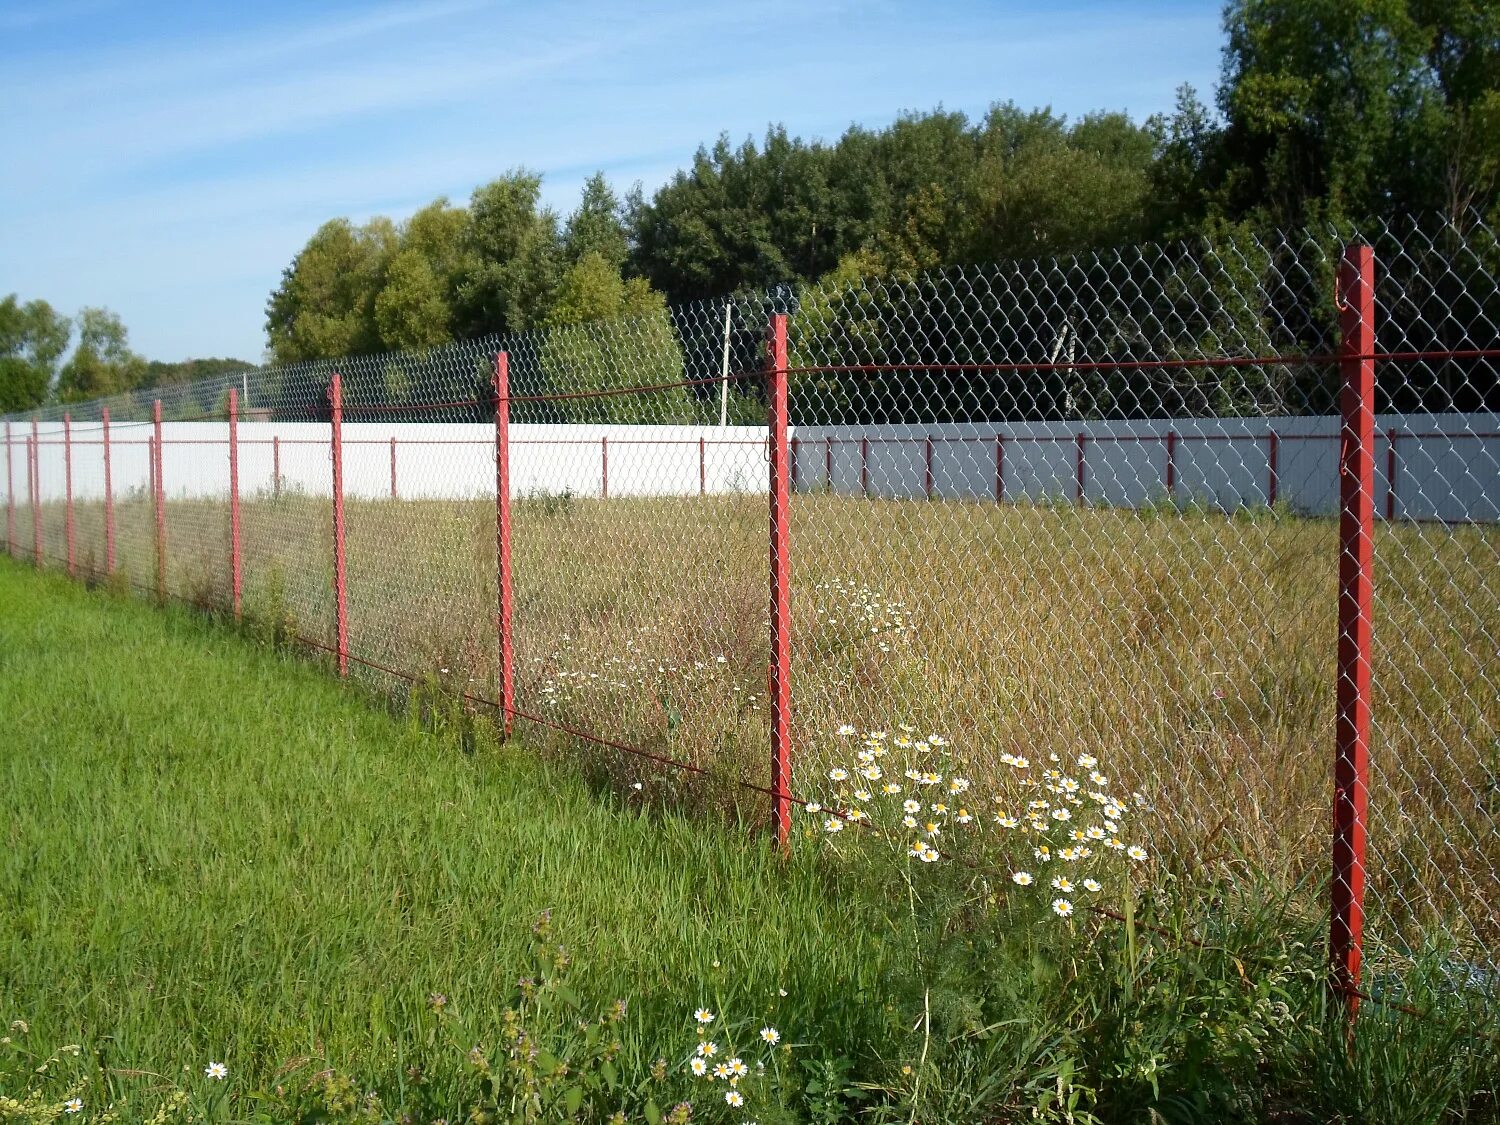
1357 357
236 584
340 587
1351 773
505 651
159 494
780 679
10 498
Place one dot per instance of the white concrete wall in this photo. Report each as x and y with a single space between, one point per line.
433 460
1447 466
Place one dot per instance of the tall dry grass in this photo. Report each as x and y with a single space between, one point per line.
1193 653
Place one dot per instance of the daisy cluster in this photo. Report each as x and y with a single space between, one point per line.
723 1065
1064 821
568 674
860 609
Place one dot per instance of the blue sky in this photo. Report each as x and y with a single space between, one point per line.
168 159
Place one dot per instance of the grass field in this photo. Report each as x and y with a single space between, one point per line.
213 852
1193 653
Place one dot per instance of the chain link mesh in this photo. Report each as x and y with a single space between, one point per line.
1084 504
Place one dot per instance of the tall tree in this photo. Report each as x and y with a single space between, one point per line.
325 304
512 260
415 307
33 338
103 363
597 226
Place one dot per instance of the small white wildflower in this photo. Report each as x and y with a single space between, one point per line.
1022 879
703 1016
770 1034
1062 907
73 1105
217 1071
1136 852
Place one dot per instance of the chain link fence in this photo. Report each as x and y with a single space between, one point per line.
1117 505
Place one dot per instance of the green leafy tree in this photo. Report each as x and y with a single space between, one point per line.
33 338
513 258
604 332
325 304
103 363
415 307
597 226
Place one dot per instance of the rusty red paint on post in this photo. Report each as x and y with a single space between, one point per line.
68 493
702 468
340 588
927 467
1356 300
1171 462
999 468
506 649
236 571
1391 468
604 468
34 492
1078 471
10 497
393 468
276 467
1273 466
780 680
161 503
109 498
864 466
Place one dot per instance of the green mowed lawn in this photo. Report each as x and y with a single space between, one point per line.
211 851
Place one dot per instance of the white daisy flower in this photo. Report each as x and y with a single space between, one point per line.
1062 907
217 1071
1022 879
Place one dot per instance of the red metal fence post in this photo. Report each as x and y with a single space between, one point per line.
109 498
160 496
1356 300
68 493
34 492
393 468
336 448
502 539
780 685
604 468
999 468
235 565
10 498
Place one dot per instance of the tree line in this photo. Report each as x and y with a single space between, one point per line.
1329 113
37 367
